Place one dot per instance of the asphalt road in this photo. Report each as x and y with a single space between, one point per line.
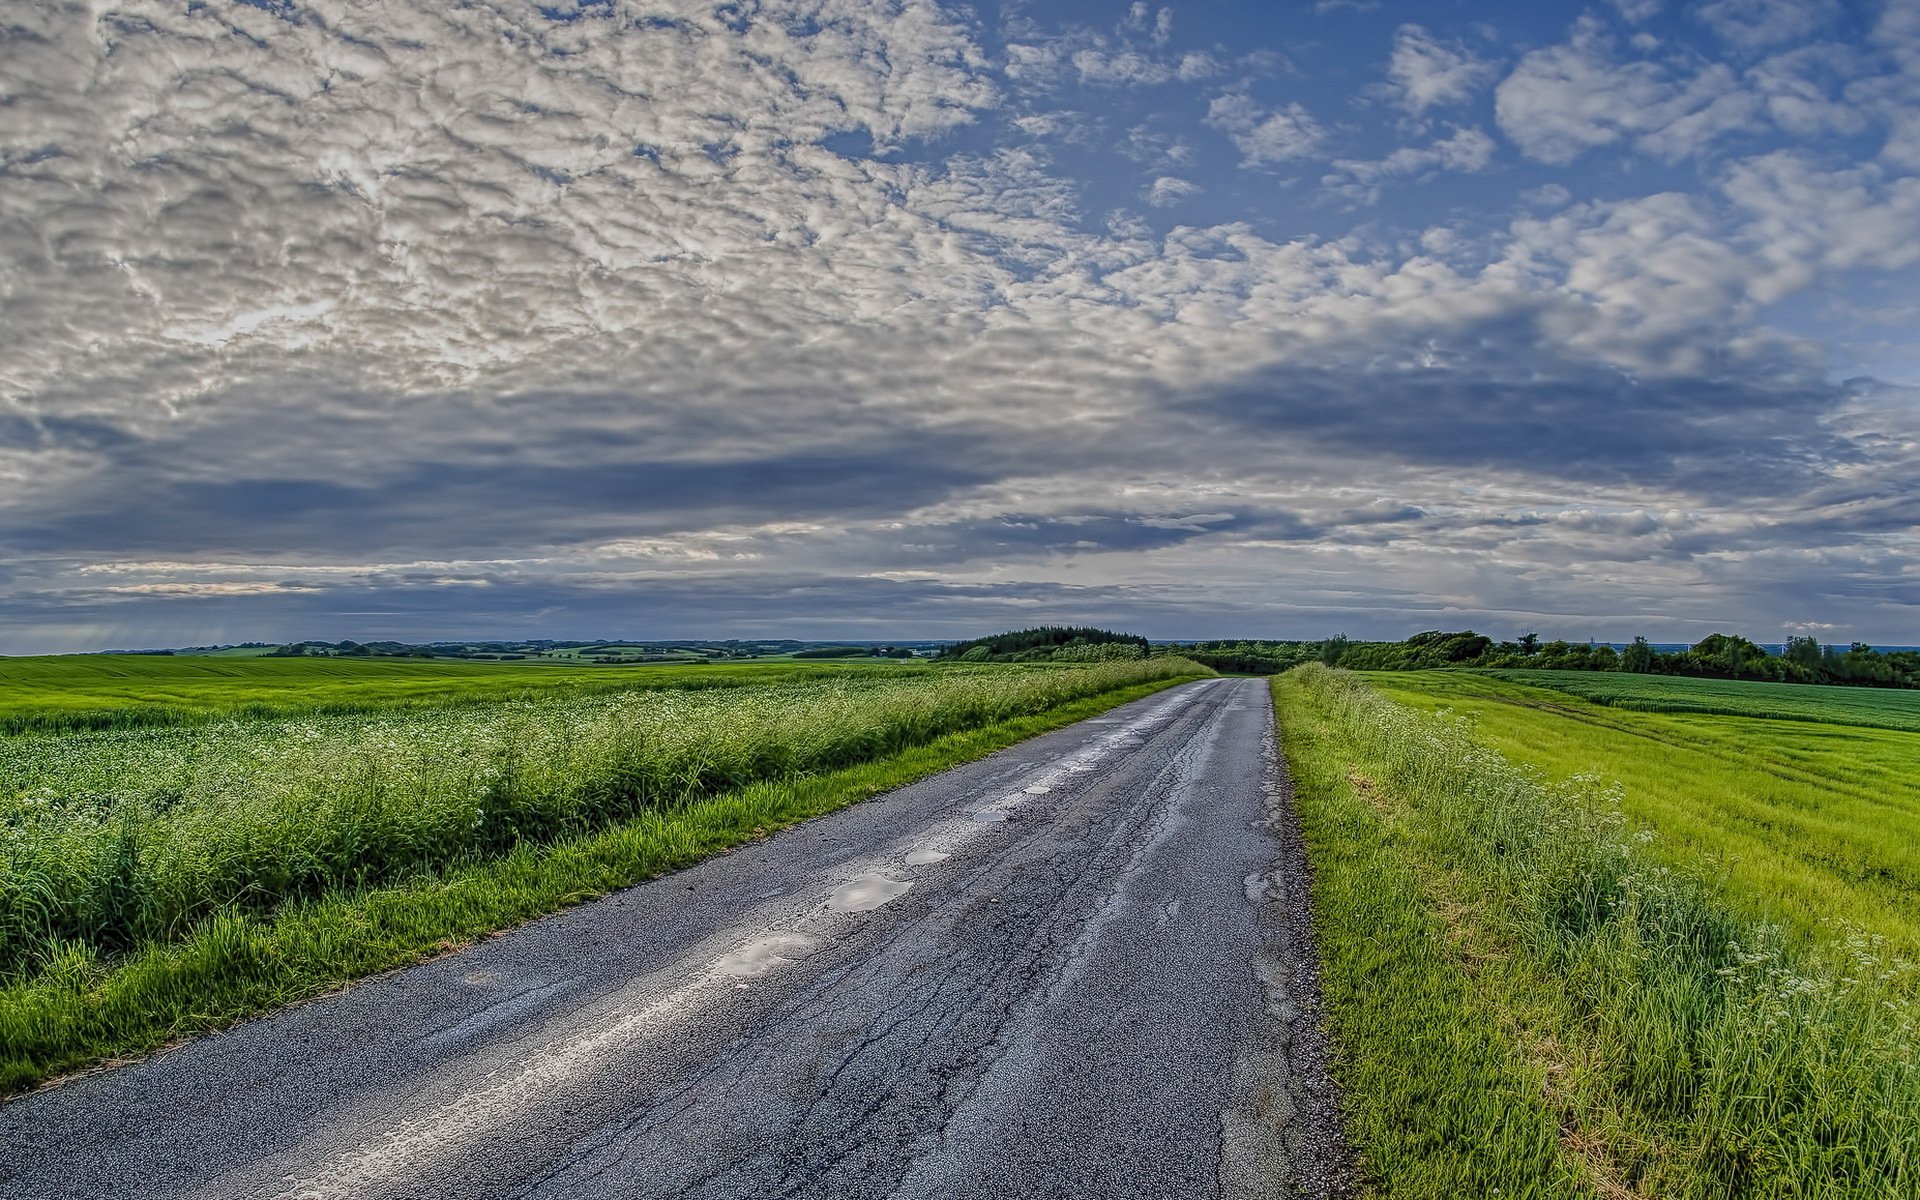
1077 968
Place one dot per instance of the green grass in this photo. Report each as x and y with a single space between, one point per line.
111 691
1812 826
1440 1103
1531 991
1879 708
161 882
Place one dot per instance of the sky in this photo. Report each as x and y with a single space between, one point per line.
896 318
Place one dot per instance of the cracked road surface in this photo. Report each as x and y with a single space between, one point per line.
1078 968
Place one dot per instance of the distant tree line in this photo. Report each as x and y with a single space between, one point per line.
1051 643
601 652
854 652
1718 656
351 650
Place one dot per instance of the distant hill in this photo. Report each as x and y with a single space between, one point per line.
1050 643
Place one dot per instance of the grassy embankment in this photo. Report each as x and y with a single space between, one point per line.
122 691
159 882
1543 984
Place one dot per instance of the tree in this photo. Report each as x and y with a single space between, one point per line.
1638 657
1332 649
1727 654
1529 643
1804 652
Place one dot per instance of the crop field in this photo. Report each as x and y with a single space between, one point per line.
1812 826
157 880
1880 708
1578 950
105 691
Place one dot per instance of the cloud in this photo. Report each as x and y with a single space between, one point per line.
1563 101
1198 64
1359 181
1427 73
1803 90
829 317
1547 195
1141 18
1756 24
1169 190
1265 137
1133 54
1145 144
1667 436
1123 68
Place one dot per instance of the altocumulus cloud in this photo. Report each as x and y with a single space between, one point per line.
874 316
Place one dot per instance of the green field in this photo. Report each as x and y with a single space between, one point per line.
1881 708
158 880
1812 826
1579 950
104 691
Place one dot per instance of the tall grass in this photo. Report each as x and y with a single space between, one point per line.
1679 1049
82 1009
112 841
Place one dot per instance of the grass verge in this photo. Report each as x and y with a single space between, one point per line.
1440 1102
1524 1006
78 1013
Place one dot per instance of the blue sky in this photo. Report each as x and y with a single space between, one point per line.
889 318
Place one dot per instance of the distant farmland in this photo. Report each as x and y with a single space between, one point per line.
1881 708
105 691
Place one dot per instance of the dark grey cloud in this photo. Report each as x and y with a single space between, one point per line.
461 507
1723 437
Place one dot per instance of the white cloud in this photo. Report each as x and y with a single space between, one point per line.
1144 144
1565 100
1133 54
1050 124
1547 195
1142 19
1805 218
1169 190
1800 93
1427 73
1757 24
1122 68
1197 64
1359 181
1265 137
